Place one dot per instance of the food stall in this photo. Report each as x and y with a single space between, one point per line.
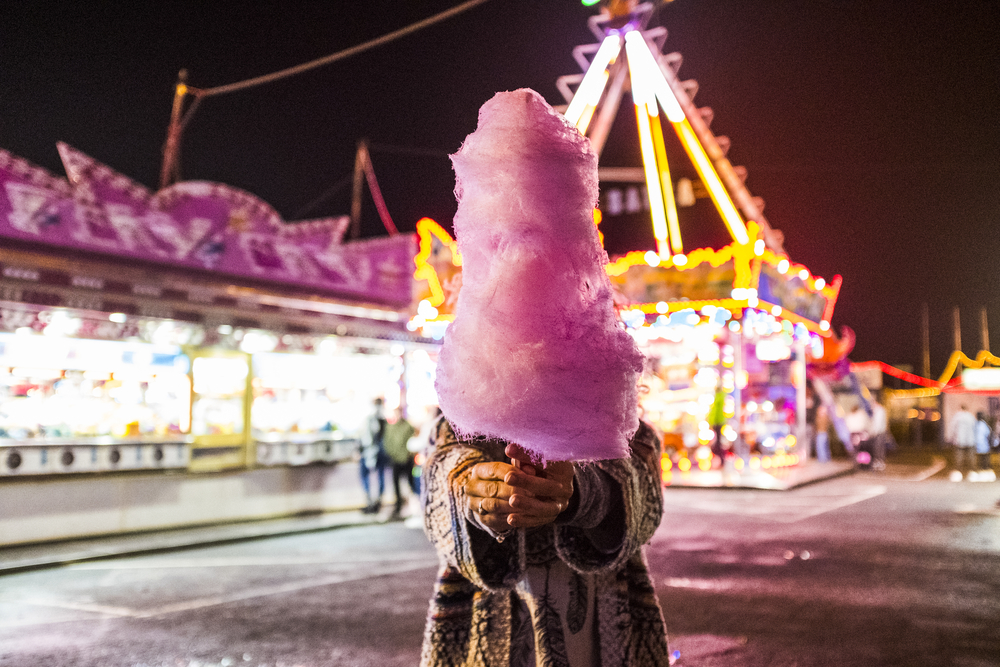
188 333
731 329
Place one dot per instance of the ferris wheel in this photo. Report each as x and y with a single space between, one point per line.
652 78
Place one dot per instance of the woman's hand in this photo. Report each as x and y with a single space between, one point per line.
489 495
518 495
538 496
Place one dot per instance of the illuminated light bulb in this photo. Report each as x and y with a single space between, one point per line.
662 307
766 462
734 326
742 379
684 464
758 247
790 441
666 464
751 406
426 310
680 260
755 462
738 464
767 406
819 284
704 465
752 291
803 274
117 318
824 325
652 258
739 293
783 266
752 302
776 310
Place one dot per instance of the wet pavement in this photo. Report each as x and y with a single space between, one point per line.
869 569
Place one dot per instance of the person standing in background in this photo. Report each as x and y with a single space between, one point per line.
397 434
962 437
984 436
878 434
373 458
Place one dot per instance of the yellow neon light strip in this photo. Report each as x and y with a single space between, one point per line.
710 178
640 57
592 87
958 356
673 224
426 230
642 97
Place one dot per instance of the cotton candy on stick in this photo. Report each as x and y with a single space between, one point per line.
535 354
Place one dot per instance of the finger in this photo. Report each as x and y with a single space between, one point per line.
521 458
488 489
521 504
491 470
489 506
537 486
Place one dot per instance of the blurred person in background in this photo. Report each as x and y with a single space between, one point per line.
373 457
397 434
984 436
962 437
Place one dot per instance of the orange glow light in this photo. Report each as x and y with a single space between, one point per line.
427 230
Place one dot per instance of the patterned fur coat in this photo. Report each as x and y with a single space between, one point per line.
574 593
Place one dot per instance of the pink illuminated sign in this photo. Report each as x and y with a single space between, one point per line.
196 224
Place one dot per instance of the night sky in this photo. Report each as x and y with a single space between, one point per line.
870 128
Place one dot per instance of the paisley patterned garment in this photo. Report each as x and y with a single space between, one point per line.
575 593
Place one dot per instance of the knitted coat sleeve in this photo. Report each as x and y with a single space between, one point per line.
460 540
621 502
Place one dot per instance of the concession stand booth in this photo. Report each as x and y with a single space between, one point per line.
186 356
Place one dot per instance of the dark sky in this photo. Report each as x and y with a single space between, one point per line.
869 127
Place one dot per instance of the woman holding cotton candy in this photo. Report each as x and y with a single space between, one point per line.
543 485
523 582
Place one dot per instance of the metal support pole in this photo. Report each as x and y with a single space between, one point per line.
925 332
799 374
170 168
984 330
957 324
359 182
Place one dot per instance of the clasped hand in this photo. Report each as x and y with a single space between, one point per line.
518 494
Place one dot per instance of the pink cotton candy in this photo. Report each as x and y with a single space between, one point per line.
535 355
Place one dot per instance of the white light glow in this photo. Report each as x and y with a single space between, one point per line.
592 87
819 284
640 57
